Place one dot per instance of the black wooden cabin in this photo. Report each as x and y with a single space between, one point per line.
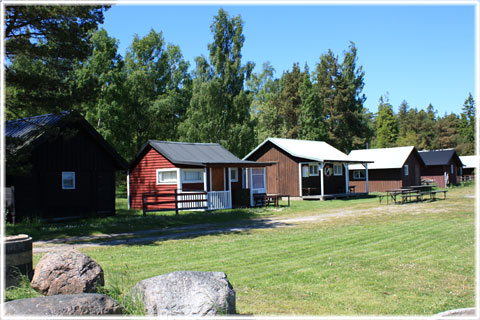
60 166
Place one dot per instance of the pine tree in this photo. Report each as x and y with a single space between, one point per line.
386 125
467 126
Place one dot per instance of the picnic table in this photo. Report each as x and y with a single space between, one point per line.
402 195
274 199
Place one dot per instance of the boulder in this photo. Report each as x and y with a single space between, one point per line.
186 293
64 305
67 272
464 312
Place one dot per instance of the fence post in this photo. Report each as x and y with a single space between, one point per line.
176 202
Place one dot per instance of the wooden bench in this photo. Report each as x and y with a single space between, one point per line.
434 193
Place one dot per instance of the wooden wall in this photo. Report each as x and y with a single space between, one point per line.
281 177
40 193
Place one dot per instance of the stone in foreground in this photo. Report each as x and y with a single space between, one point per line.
64 305
67 272
186 293
464 312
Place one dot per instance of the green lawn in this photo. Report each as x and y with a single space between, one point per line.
415 259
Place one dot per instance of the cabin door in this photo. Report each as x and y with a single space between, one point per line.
218 183
105 195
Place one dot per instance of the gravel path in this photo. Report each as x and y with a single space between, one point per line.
206 229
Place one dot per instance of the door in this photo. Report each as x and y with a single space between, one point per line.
105 195
218 183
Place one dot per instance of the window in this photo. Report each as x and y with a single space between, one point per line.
68 180
257 179
405 170
359 174
166 176
192 175
313 169
459 171
234 174
451 169
304 171
337 169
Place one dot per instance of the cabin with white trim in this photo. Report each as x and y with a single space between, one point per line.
303 168
166 167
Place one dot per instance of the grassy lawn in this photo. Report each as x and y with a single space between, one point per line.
415 259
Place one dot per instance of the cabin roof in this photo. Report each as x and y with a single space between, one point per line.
470 161
199 154
307 149
384 158
438 157
29 130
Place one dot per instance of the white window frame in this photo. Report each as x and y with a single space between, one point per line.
184 180
312 165
357 174
405 170
335 171
232 170
258 174
167 170
64 174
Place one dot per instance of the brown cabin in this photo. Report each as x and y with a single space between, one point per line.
68 168
304 168
393 168
443 167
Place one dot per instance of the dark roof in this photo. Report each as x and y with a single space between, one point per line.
199 154
29 130
438 157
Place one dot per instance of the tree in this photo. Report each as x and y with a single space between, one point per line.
312 114
43 46
467 126
219 110
386 125
339 87
447 132
264 109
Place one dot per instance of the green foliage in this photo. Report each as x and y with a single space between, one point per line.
219 110
43 46
467 126
386 125
22 291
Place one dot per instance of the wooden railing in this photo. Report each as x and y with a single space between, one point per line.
191 200
181 201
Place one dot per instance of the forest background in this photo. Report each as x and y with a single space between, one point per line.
57 58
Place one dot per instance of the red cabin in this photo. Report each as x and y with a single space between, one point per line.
169 168
443 167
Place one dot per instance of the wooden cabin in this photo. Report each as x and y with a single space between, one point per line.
443 167
60 166
302 168
470 164
162 167
393 168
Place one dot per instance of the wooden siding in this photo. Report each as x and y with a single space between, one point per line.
379 180
143 179
436 173
40 193
282 177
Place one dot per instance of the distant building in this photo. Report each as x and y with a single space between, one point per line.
444 167
470 165
70 168
393 168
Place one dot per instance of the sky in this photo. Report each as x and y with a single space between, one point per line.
424 54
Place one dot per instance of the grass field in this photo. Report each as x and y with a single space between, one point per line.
415 259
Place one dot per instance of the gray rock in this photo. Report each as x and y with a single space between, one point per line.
186 293
67 272
465 312
64 305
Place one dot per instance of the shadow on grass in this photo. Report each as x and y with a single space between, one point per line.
125 221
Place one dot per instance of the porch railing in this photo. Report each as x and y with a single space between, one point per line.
219 200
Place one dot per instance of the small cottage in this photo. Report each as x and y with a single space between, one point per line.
470 164
393 168
302 168
59 166
443 167
163 167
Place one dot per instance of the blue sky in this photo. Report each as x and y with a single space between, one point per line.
419 53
